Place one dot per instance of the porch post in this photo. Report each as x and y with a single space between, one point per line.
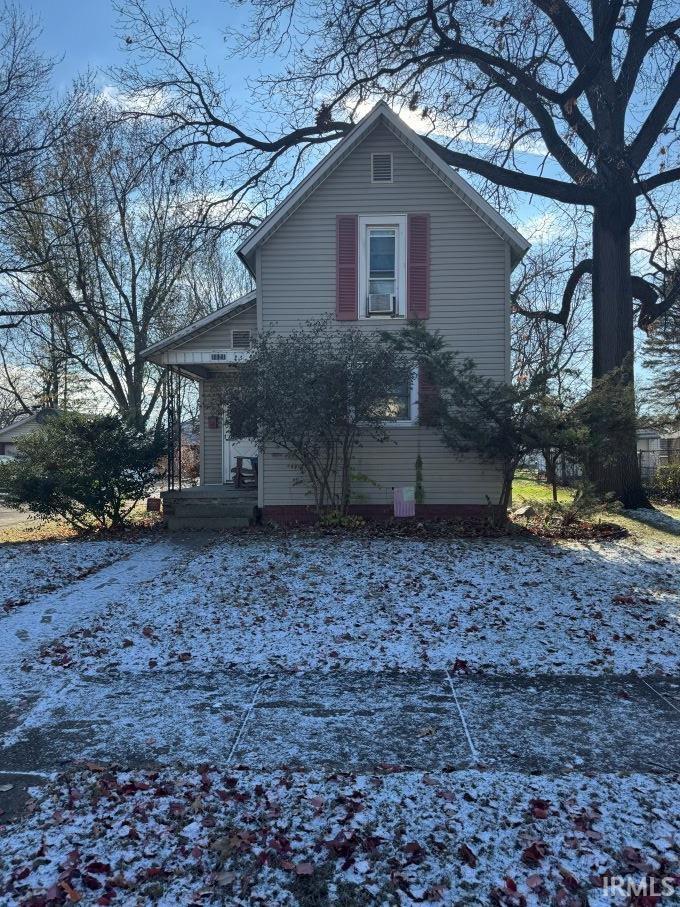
171 430
179 428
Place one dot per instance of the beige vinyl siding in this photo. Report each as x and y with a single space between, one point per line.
211 438
447 479
218 335
468 303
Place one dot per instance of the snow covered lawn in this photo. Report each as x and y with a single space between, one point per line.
284 838
29 568
150 674
480 605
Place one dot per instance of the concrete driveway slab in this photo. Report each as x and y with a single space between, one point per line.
667 688
552 724
355 721
132 720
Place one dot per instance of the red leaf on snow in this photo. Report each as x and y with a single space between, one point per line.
184 656
540 809
304 869
72 895
91 883
415 851
569 880
98 868
534 853
467 855
460 666
534 882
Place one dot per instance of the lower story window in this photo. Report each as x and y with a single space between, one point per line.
400 404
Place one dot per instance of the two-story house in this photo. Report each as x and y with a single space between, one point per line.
381 230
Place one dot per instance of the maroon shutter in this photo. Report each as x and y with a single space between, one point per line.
347 267
418 275
428 398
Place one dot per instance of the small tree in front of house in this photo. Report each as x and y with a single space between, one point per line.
559 433
317 393
608 413
90 472
499 422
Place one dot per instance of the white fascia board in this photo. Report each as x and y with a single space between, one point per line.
197 327
454 182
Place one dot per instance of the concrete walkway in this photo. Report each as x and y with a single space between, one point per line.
46 617
350 721
52 614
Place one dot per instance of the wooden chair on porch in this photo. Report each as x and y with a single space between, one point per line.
245 476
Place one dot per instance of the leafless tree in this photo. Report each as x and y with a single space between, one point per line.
541 345
112 247
30 124
592 85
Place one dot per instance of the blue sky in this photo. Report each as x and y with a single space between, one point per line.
83 32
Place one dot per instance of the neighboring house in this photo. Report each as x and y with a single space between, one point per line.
670 447
649 451
24 425
446 256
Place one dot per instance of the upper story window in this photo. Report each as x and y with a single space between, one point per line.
382 267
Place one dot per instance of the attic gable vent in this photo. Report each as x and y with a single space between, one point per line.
381 168
240 340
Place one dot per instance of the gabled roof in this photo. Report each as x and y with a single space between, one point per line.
202 324
460 187
38 417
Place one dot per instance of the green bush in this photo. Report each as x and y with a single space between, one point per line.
91 472
666 483
337 520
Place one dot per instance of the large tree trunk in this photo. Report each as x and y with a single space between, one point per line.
613 342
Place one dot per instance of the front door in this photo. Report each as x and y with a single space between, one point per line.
243 447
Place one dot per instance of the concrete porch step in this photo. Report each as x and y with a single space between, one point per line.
178 523
210 508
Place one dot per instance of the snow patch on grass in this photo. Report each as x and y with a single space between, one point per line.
314 602
31 568
200 836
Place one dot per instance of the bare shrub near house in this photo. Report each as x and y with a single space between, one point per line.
316 394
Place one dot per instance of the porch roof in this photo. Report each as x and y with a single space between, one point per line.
158 352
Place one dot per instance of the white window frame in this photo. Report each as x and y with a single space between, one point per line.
408 423
402 423
391 179
382 221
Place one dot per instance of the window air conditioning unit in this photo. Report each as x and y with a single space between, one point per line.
381 304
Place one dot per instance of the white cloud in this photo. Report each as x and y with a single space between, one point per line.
477 132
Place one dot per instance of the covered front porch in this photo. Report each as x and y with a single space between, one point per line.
206 357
